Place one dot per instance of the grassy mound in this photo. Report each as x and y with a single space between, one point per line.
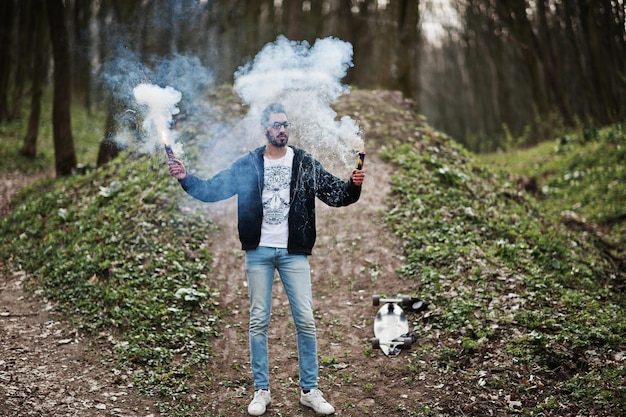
524 303
119 257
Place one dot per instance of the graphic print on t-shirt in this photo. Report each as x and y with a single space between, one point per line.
276 208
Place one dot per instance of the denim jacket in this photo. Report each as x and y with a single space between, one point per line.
244 178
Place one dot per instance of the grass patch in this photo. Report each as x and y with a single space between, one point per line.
121 260
87 131
512 287
583 172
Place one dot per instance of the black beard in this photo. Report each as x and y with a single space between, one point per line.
274 141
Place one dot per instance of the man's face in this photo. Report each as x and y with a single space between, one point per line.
277 130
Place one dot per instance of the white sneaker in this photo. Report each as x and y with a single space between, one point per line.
316 401
260 402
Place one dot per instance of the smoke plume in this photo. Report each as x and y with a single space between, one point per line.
159 105
306 80
145 97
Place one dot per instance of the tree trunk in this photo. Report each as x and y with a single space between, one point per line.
551 66
364 29
579 79
23 61
108 148
408 44
64 154
515 15
82 39
40 68
604 102
295 17
7 8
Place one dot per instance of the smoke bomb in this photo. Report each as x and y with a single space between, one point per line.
169 152
360 160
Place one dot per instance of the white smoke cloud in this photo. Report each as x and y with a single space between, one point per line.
145 108
306 80
158 105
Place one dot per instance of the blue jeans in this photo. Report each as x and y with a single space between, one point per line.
295 274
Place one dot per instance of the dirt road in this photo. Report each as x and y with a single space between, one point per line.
48 369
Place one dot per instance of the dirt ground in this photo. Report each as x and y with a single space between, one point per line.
48 369
353 259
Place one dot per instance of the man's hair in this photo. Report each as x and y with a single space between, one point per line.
271 109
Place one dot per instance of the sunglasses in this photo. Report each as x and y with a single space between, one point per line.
277 125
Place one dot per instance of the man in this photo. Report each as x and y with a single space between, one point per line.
276 186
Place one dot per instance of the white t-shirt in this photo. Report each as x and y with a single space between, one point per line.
276 201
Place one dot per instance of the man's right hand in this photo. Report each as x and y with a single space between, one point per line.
177 169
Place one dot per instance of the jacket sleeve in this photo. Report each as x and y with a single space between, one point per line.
334 191
219 187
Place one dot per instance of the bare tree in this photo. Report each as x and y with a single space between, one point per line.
530 68
408 45
6 27
64 154
518 67
23 57
295 18
41 56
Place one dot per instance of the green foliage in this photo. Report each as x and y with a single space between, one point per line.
505 277
588 174
582 171
87 130
116 254
12 135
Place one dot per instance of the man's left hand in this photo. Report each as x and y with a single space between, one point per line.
357 177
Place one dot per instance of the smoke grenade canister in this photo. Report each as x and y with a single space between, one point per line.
360 160
169 152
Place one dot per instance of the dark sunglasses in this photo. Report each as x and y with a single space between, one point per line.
277 125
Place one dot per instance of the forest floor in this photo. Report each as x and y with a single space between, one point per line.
47 368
